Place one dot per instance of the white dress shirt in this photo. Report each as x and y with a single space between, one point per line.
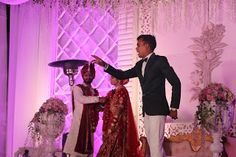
145 63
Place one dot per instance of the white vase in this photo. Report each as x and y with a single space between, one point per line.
227 118
50 128
222 121
216 147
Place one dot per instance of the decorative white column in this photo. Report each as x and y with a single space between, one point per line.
145 27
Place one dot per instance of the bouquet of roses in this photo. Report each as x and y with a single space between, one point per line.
213 101
51 106
54 105
216 92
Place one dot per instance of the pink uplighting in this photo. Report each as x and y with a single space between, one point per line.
34 35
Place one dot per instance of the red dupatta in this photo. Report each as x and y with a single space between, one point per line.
120 137
132 134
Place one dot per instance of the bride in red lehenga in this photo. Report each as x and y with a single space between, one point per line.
120 137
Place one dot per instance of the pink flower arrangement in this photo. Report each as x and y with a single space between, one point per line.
54 105
214 100
53 109
51 106
218 93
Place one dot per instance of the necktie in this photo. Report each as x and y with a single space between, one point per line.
145 60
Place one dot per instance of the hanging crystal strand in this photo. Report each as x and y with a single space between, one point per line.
187 13
162 16
231 10
168 15
220 11
216 11
234 10
156 19
177 14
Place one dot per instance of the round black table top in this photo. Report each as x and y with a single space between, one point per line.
69 63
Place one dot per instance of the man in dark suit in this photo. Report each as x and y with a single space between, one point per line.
152 70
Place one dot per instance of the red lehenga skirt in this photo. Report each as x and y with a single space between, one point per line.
120 137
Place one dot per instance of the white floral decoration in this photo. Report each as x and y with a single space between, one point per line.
207 50
53 109
216 107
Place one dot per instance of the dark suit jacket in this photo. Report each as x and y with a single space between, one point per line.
153 84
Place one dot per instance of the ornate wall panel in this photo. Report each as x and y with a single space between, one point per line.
82 33
145 27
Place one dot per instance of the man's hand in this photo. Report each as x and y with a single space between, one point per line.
102 99
98 61
173 114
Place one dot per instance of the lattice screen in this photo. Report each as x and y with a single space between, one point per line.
82 33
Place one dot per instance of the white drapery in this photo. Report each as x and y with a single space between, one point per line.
33 31
3 78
